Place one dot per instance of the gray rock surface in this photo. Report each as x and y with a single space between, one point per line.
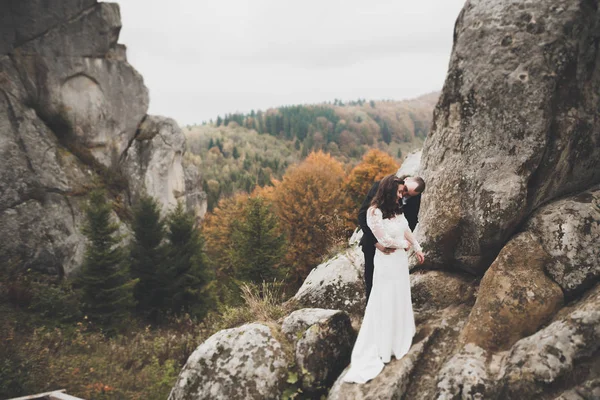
391 383
240 363
23 21
537 362
410 165
465 375
295 324
436 290
516 125
515 296
323 350
336 284
154 161
569 230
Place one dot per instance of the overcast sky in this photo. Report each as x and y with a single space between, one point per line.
204 58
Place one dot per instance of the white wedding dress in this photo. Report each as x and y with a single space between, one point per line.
388 325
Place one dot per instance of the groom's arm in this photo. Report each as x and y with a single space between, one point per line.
362 213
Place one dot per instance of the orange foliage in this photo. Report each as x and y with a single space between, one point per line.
374 165
216 229
309 200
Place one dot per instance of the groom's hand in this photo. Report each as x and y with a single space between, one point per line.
383 249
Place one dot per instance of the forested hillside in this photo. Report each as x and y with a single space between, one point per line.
237 152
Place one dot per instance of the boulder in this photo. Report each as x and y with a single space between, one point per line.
542 361
336 284
240 363
515 126
295 324
323 347
154 161
515 297
569 230
410 165
465 375
589 390
436 290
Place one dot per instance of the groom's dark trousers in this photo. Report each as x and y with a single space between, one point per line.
367 243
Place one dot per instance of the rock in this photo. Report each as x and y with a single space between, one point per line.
323 350
515 297
92 33
590 390
295 324
70 108
94 105
543 360
240 363
569 230
336 284
514 128
410 165
465 375
196 200
391 383
154 161
436 290
23 21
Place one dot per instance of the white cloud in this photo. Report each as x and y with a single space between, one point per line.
206 58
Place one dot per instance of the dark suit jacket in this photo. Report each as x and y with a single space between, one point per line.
411 212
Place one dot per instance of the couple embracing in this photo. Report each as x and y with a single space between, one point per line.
387 218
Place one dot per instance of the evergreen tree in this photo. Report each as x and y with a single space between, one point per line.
106 286
147 255
257 244
235 152
187 286
211 143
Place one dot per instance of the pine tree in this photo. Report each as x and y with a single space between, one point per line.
147 255
107 288
235 152
187 286
257 244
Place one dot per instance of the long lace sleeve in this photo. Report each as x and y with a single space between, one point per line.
375 222
411 238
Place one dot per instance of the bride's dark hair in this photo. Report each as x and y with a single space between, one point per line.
386 198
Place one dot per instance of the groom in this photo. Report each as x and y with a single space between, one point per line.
411 202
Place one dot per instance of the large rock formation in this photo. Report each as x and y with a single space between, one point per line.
516 124
71 112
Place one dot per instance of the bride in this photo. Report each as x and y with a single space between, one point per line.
388 325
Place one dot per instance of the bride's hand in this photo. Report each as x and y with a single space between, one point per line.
420 257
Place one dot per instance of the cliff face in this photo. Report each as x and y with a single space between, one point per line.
72 117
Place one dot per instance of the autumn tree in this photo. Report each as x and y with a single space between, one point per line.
374 165
308 201
217 229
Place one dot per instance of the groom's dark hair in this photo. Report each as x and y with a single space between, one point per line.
420 182
386 198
